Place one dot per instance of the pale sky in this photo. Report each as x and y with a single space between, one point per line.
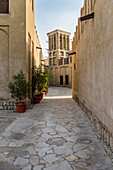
56 14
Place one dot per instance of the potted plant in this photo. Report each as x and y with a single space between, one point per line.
37 85
40 82
20 89
47 79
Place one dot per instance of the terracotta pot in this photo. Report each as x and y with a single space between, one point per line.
46 91
21 107
37 99
43 94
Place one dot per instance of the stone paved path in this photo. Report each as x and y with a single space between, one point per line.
53 135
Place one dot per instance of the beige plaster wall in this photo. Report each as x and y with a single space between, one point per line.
31 31
14 30
57 71
4 57
93 77
38 55
12 44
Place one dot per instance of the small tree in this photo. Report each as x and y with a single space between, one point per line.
37 77
20 88
46 79
40 80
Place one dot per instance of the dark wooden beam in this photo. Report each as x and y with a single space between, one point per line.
86 17
73 53
39 48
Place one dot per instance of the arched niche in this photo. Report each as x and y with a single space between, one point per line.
4 64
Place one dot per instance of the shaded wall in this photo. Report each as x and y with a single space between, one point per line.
4 66
93 74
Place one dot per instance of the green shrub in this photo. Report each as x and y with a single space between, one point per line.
40 80
46 79
20 88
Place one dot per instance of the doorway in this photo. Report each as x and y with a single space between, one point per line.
66 80
61 80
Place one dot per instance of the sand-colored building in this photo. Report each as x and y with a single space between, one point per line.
93 65
60 63
46 62
19 42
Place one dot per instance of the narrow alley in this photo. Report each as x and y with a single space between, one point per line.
53 135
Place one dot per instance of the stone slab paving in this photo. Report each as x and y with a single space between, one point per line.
53 135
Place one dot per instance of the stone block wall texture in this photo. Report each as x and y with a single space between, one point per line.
15 52
7 105
93 75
